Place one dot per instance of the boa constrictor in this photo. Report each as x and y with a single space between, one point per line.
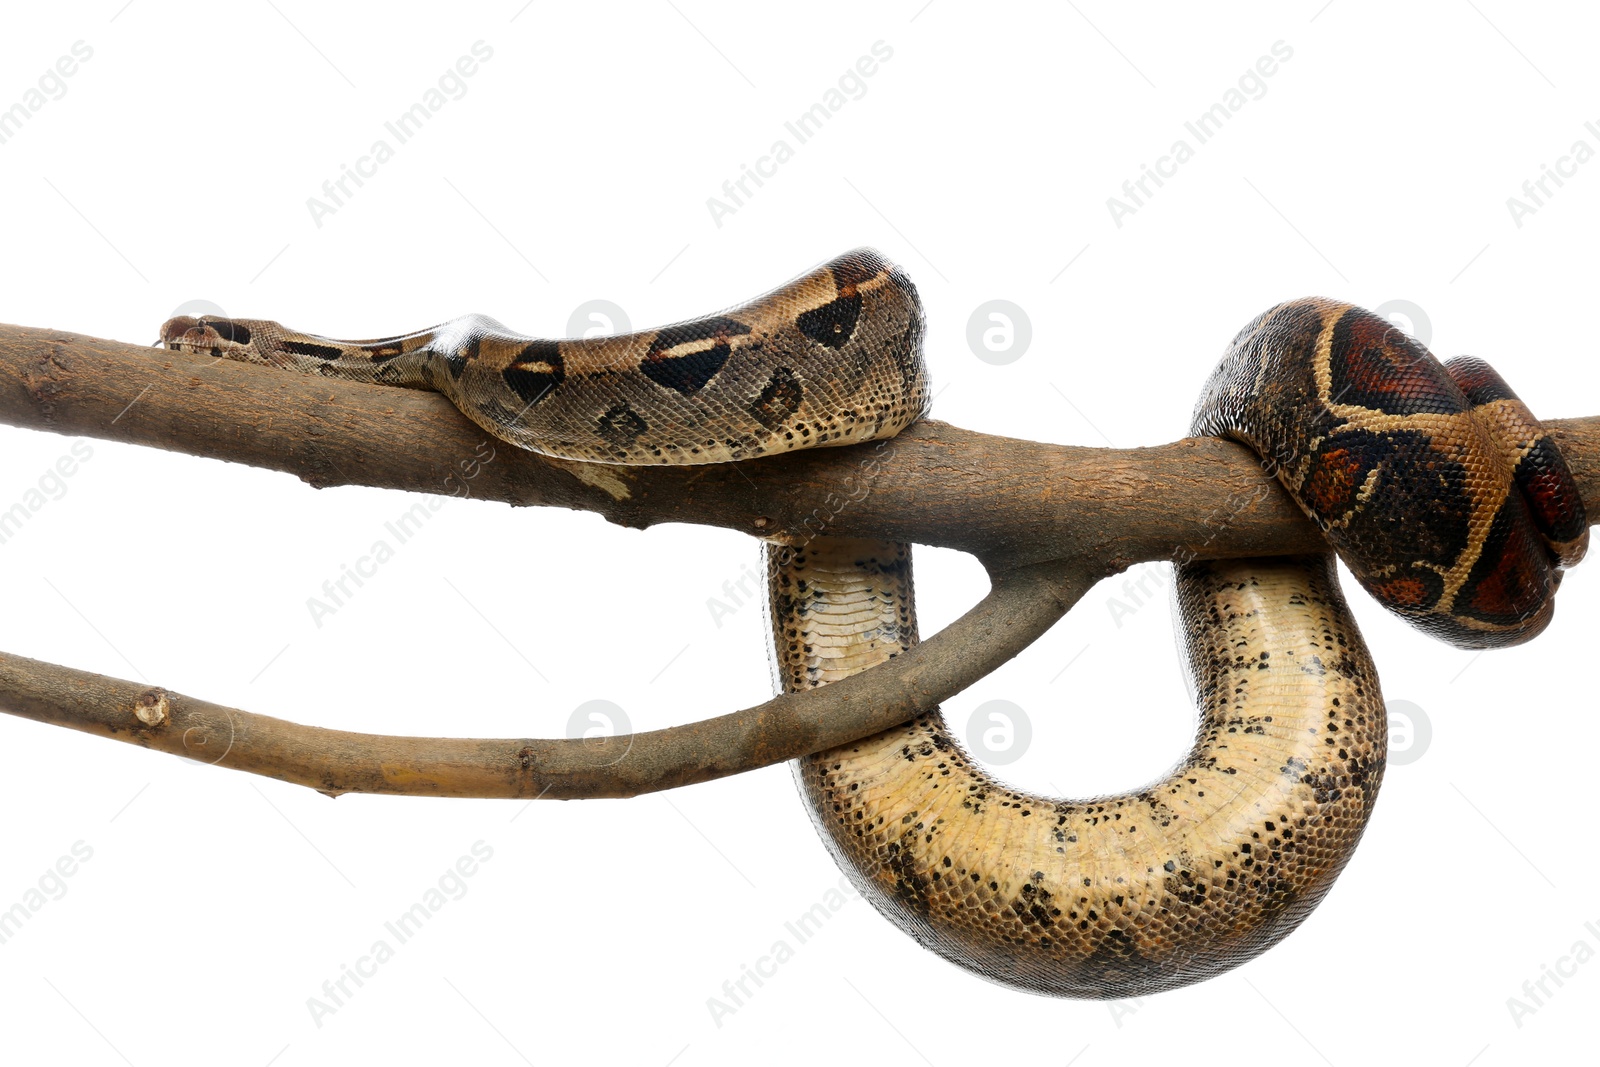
1434 483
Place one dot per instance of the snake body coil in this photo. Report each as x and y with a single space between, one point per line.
1434 483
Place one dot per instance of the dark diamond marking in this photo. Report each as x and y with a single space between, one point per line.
1388 527
688 373
1511 580
457 361
779 399
1415 590
621 425
1377 366
536 371
833 323
1552 497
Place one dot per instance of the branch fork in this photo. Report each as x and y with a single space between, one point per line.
1052 521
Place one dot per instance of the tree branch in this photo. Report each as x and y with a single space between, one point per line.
1020 607
1006 501
1046 520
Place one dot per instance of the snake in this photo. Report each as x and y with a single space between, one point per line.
1444 496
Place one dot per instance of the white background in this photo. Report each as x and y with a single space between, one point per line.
1375 167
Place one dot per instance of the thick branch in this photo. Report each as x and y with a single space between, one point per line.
1009 502
1019 608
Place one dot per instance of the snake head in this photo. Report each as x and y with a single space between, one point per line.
209 335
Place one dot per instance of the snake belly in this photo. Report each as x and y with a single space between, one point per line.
1435 485
1121 895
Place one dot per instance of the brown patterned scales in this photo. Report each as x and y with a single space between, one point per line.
832 358
1435 484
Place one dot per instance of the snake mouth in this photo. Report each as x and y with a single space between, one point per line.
207 334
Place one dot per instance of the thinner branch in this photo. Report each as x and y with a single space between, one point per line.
1020 606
